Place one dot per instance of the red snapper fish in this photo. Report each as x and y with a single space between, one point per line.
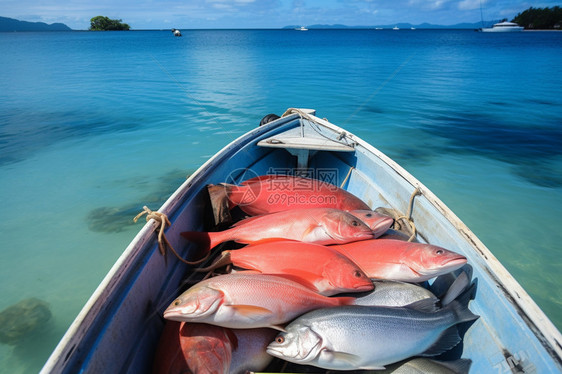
248 300
321 268
194 348
400 260
379 223
274 193
208 349
316 225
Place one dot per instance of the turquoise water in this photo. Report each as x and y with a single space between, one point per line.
95 125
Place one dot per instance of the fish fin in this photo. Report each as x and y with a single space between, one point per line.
297 279
354 360
428 305
459 306
311 228
460 366
278 328
446 341
301 277
249 310
259 178
244 221
267 240
232 337
246 271
459 285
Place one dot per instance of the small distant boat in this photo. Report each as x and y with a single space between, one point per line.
395 28
412 28
118 329
503 27
302 28
176 32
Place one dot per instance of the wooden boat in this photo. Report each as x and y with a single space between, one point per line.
118 329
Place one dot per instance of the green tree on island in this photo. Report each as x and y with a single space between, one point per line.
540 18
101 23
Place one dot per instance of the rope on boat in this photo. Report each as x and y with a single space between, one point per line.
408 216
343 137
347 177
162 240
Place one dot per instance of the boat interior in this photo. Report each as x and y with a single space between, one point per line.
144 281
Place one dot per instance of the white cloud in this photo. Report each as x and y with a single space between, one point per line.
469 4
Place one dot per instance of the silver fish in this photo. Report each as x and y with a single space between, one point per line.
250 354
328 338
393 293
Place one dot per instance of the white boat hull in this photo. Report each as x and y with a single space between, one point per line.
504 29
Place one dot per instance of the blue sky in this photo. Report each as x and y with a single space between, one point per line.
185 14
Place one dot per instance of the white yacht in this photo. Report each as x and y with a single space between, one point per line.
503 27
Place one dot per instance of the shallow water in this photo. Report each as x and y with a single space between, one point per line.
95 125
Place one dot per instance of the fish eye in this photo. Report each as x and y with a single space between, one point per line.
354 223
280 340
368 215
439 252
357 274
177 302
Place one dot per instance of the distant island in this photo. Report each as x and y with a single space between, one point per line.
101 23
12 25
400 25
540 18
531 19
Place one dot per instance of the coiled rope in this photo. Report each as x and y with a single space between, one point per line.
162 240
408 216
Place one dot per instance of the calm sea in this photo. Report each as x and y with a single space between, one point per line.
95 125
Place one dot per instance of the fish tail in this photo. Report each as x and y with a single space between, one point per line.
204 240
223 260
459 306
448 339
345 300
461 283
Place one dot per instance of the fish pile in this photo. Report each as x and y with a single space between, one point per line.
317 283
